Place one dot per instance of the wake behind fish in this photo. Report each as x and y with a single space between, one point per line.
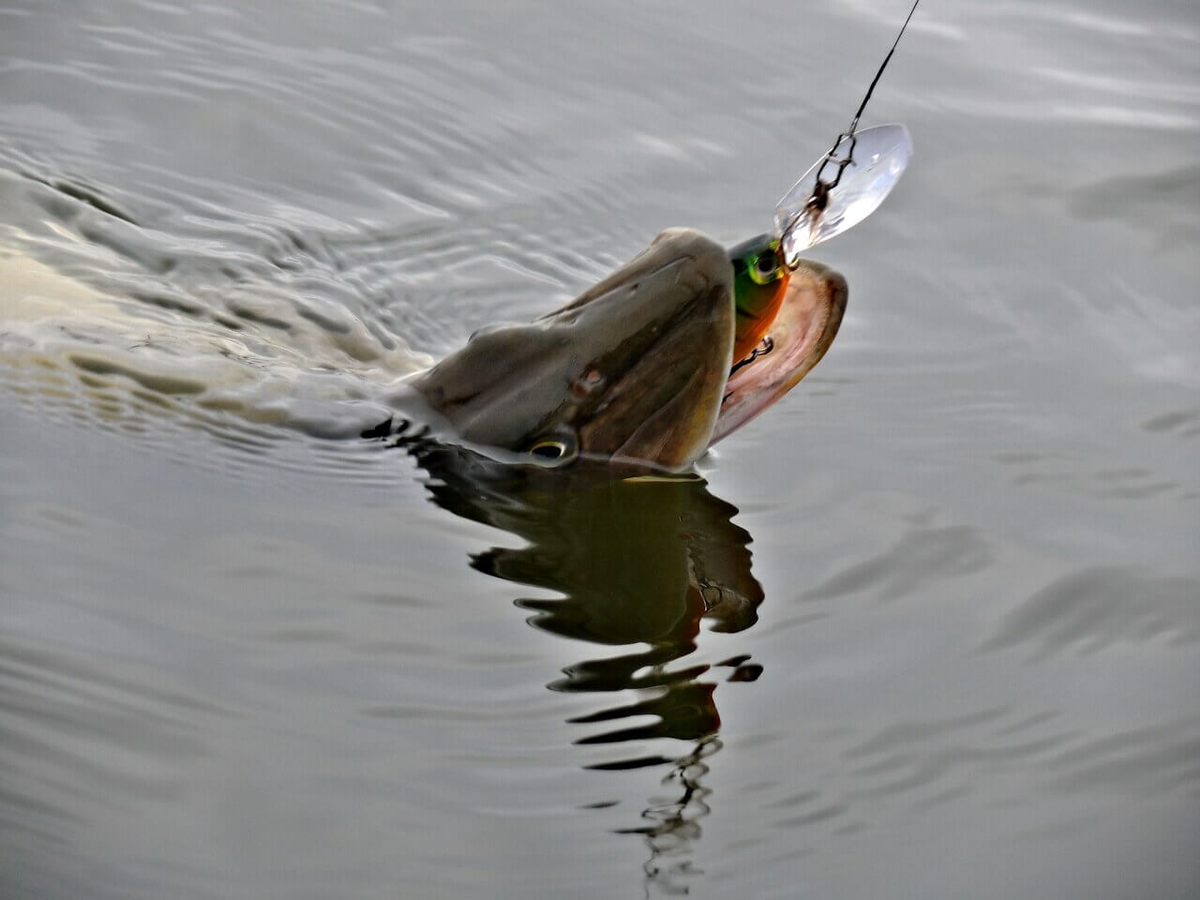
109 325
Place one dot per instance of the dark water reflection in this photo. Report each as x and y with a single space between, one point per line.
638 560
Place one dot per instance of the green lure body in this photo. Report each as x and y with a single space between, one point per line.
760 282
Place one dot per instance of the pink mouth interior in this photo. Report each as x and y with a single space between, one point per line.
798 338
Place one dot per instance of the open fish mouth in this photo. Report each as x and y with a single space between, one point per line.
800 334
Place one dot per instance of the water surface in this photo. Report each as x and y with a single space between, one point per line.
931 627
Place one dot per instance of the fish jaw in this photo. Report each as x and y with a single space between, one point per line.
799 336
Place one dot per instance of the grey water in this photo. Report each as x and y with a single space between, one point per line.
930 627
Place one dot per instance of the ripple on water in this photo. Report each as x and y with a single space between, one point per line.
937 760
1099 607
923 556
255 360
1137 761
84 736
1184 422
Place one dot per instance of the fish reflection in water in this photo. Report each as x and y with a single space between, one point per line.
637 560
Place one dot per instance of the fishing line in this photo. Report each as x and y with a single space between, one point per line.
820 193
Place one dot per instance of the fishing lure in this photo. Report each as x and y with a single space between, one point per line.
760 282
864 166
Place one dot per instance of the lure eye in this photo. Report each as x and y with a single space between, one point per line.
759 259
765 268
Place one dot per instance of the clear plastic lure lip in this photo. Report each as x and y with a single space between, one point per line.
879 157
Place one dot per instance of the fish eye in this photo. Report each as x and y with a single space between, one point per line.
553 449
